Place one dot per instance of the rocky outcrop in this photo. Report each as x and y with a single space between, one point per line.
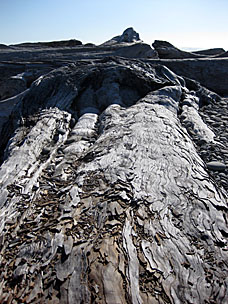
222 55
137 50
12 86
210 72
25 62
109 191
210 52
54 44
129 45
3 46
128 36
168 51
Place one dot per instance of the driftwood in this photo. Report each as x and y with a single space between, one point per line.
104 197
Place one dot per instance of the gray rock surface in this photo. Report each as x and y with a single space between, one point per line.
137 50
106 188
211 73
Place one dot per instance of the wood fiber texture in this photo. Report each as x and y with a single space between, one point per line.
104 197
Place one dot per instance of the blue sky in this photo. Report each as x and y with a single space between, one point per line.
193 23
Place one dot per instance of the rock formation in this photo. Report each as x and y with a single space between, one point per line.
54 44
210 72
113 181
210 52
128 36
168 51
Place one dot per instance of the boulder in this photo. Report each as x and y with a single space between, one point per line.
216 166
168 51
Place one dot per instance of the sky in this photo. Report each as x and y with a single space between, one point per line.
197 24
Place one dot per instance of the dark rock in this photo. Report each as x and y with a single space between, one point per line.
222 55
129 35
216 166
72 122
46 151
210 52
61 131
89 44
166 50
54 44
11 87
4 47
211 73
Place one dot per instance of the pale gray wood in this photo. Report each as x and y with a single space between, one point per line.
118 208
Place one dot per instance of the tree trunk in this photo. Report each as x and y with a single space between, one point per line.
119 207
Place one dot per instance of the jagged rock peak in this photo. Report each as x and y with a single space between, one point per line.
129 35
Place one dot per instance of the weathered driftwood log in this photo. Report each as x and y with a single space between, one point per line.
117 208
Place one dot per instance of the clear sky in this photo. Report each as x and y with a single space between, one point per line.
192 23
